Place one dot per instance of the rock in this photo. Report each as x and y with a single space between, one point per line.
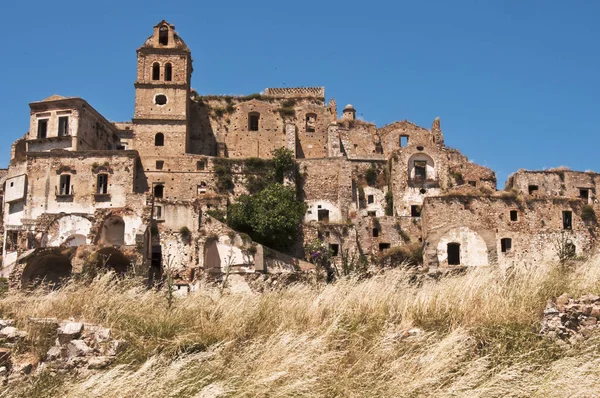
69 331
11 333
589 299
98 333
5 322
55 353
562 301
5 355
99 362
591 321
78 348
116 347
3 371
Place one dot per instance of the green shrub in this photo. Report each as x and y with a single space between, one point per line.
223 172
371 176
588 214
287 112
389 203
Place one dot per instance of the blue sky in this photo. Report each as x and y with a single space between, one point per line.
515 83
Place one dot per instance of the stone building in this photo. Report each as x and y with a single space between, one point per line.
145 195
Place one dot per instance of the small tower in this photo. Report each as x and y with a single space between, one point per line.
349 113
162 93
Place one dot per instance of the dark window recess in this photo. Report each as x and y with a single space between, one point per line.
323 215
415 211
311 122
200 165
155 71
370 199
567 217
63 126
514 215
253 119
533 189
420 148
584 193
120 147
453 253
65 185
158 191
403 141
472 183
159 139
102 183
158 212
422 191
335 249
420 170
372 213
168 72
12 240
375 232
505 244
42 128
163 35
383 246
160 164
160 99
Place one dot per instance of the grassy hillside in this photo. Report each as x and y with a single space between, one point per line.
473 335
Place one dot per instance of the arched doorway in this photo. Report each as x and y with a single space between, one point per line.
112 259
113 231
47 268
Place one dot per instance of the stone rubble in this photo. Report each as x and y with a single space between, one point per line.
77 347
569 320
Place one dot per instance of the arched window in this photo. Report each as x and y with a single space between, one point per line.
163 35
113 231
453 253
421 168
155 71
168 72
158 191
159 139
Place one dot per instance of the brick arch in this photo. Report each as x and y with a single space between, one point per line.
61 230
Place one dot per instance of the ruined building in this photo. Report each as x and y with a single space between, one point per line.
138 196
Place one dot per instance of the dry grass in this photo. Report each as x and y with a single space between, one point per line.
479 338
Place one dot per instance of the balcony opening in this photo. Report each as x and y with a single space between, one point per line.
65 185
158 191
102 184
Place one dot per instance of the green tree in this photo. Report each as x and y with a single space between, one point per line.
271 217
284 161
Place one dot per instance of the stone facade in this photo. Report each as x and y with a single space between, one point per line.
80 186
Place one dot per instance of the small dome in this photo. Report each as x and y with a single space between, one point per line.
349 107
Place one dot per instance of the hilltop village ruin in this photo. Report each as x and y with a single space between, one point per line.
143 194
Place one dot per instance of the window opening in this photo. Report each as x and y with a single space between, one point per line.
168 72
155 71
472 183
323 215
383 246
65 184
584 193
505 244
335 249
102 184
160 99
453 253
311 122
415 211
372 213
42 128
200 165
370 199
375 232
158 191
163 35
514 215
403 141
253 119
567 217
420 170
158 212
159 139
63 126
533 189
160 164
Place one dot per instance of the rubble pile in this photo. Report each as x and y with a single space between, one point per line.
570 320
72 346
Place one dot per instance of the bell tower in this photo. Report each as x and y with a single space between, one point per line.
162 94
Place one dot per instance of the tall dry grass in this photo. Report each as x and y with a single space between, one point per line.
478 338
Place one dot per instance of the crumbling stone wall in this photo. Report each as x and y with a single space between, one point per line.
555 183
